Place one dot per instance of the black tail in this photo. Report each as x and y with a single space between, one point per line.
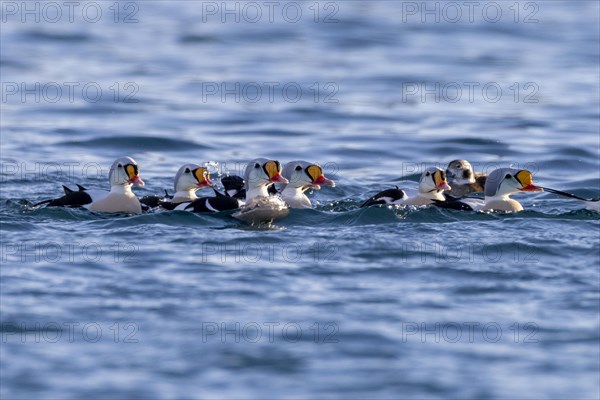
233 186
370 202
565 194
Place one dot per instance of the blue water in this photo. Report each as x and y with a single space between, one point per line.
335 302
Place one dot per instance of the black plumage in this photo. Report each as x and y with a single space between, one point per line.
385 197
206 204
234 187
71 198
213 204
460 203
154 201
452 203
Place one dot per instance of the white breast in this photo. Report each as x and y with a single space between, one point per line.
262 209
502 204
116 203
295 199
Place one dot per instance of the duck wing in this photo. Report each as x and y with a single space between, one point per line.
388 196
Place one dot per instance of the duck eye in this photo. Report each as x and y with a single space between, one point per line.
187 170
257 165
427 174
298 168
119 166
508 176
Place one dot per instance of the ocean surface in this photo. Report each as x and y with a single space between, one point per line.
331 302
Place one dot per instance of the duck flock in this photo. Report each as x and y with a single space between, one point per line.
255 199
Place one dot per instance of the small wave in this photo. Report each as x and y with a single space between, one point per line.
136 143
197 39
58 36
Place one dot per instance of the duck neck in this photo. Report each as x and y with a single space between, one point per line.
122 189
257 191
498 197
295 192
433 195
184 195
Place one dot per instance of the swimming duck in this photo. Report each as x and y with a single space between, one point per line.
302 175
190 178
463 180
503 182
431 190
122 176
260 173
260 206
500 184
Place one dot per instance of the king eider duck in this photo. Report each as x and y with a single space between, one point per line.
302 175
260 206
260 173
120 199
431 190
463 180
500 184
188 180
503 182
